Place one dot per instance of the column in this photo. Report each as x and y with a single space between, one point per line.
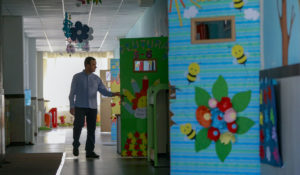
40 92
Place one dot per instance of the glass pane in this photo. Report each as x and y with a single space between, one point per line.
213 30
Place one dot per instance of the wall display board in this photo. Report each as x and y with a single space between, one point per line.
143 63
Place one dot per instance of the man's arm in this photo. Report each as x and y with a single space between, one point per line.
103 90
72 95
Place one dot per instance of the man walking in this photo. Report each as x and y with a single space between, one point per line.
83 102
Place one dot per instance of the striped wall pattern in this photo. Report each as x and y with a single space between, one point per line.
214 60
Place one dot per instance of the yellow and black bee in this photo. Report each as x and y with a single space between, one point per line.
193 71
238 4
187 130
238 52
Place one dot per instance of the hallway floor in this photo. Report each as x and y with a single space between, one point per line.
110 163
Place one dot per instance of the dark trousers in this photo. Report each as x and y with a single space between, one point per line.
91 115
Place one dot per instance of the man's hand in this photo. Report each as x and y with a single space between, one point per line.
116 94
72 111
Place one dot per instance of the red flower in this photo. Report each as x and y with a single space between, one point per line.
224 104
261 152
140 153
213 134
232 127
139 141
137 147
129 153
269 93
262 137
128 141
126 147
203 116
137 135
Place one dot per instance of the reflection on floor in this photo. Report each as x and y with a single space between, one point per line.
110 163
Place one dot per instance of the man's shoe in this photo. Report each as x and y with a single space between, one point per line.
75 151
92 155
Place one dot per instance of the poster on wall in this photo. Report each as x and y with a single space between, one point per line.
269 141
114 77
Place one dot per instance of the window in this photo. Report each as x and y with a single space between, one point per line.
212 30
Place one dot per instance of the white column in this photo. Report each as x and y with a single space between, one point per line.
32 65
40 92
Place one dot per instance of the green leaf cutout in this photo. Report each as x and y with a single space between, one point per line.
244 124
220 88
201 97
202 141
241 100
223 150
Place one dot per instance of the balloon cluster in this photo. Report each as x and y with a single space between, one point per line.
79 34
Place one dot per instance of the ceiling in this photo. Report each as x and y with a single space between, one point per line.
113 17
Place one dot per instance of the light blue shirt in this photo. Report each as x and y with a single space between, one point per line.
84 87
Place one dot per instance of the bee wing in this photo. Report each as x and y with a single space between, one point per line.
186 73
234 61
247 54
198 78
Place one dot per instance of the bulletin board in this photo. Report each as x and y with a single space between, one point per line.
143 63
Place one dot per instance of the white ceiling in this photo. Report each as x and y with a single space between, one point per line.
105 17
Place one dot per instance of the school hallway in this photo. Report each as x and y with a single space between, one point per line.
110 163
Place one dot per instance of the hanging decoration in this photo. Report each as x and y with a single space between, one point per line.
70 48
269 142
67 25
80 34
88 1
219 117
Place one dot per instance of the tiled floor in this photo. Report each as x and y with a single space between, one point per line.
110 163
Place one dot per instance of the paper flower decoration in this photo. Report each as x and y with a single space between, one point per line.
136 145
67 25
219 116
79 32
86 46
70 48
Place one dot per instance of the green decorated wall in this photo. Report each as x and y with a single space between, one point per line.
135 78
216 109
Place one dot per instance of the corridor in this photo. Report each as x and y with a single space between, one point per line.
110 163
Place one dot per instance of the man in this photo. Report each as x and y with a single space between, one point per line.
83 102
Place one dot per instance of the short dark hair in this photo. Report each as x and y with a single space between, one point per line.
88 60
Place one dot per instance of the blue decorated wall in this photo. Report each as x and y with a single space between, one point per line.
272 33
220 79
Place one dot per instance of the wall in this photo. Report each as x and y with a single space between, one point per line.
13 58
288 127
201 155
287 78
272 34
153 23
